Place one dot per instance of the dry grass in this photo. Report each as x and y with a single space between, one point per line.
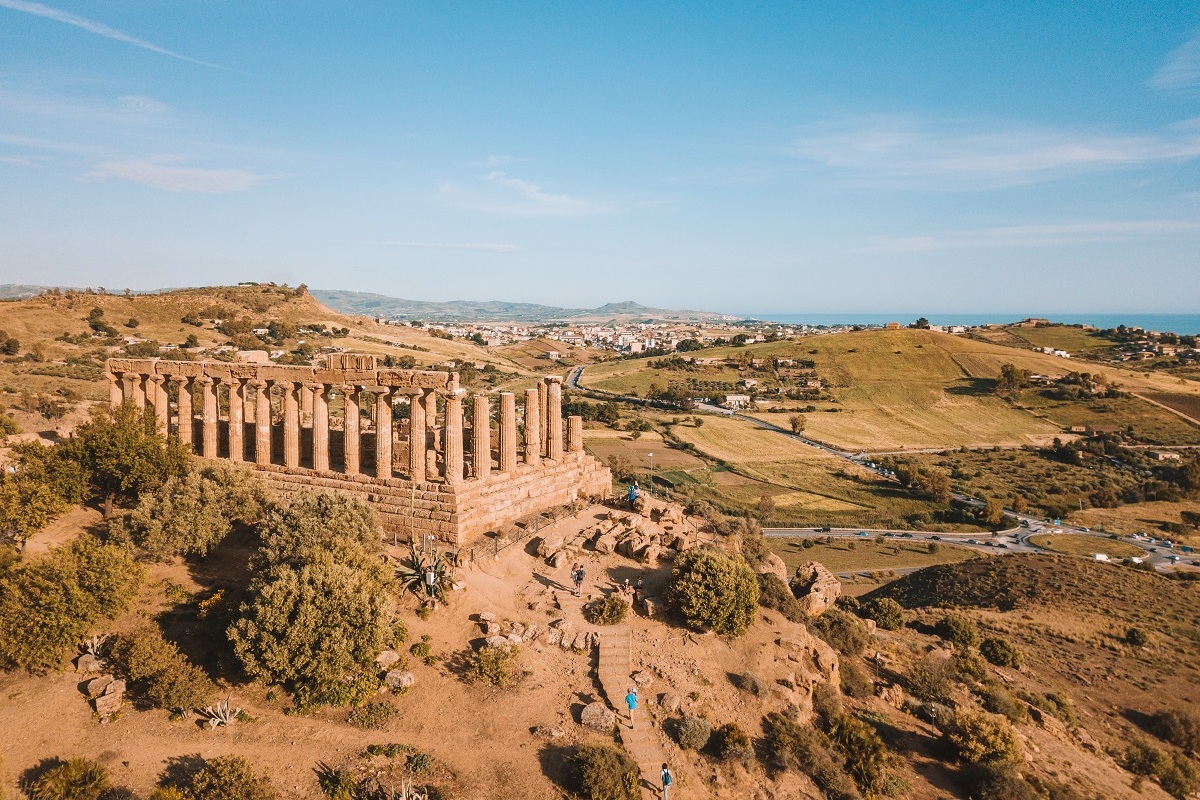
1084 545
853 555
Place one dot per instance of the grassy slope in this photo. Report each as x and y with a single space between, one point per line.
42 319
904 389
851 555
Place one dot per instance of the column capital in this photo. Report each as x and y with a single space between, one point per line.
180 379
316 387
205 380
156 378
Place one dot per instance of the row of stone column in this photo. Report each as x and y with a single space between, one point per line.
543 423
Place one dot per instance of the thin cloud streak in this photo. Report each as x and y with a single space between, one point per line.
491 247
1181 70
499 193
1048 235
160 174
100 29
968 155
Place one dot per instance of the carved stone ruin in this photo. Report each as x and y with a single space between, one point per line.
422 474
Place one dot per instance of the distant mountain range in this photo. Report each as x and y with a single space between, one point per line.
378 305
20 291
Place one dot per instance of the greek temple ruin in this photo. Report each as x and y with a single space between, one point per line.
336 427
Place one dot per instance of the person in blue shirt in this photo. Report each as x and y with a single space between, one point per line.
631 701
633 495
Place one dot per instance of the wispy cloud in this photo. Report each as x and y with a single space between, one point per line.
976 154
497 192
163 174
1047 235
490 247
98 28
1181 70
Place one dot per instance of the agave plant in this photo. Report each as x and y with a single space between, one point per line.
96 645
221 715
428 576
404 792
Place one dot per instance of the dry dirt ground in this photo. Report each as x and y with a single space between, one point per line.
483 739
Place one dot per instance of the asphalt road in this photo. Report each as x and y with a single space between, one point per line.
1157 553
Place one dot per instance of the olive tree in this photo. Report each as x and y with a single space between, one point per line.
714 590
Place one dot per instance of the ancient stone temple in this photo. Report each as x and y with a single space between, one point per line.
430 459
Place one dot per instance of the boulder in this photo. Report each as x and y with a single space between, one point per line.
643 678
670 702
599 717
515 638
88 664
532 633
893 695
553 636
653 606
559 559
553 732
649 553
116 687
96 686
385 659
606 543
492 629
487 616
816 588
496 641
518 630
772 564
398 680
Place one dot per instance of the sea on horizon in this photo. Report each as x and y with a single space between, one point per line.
1182 324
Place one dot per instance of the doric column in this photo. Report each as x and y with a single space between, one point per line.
306 401
291 425
114 390
416 439
533 427
237 420
262 421
186 427
383 432
127 381
508 432
158 397
554 448
430 400
574 434
452 440
350 428
139 390
544 418
320 426
481 437
208 392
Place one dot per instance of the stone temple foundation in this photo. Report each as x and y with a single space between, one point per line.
454 468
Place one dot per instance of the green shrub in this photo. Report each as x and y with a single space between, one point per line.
1143 758
77 779
692 733
49 604
854 681
958 629
609 611
801 748
319 607
158 673
1056 704
192 514
775 593
1177 727
417 763
373 716
931 678
496 666
8 426
228 778
887 613
1000 652
983 739
866 756
842 631
714 590
999 700
733 743
1002 783
1137 637
605 773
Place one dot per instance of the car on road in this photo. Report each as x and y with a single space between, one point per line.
936 538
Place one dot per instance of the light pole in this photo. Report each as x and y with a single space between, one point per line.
651 473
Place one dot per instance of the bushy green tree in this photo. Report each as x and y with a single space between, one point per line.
887 613
605 773
714 590
842 631
320 606
49 604
958 629
191 514
1000 652
983 739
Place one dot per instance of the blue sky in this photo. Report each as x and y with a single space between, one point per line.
743 157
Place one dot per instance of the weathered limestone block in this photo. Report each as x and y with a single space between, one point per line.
773 565
88 663
816 587
386 658
96 686
398 680
550 544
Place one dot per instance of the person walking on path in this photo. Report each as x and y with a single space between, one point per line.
631 701
667 779
577 575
